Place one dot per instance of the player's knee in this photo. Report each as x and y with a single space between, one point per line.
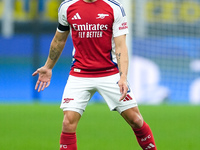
136 122
70 121
133 117
69 126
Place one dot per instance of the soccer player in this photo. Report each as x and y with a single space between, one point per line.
100 64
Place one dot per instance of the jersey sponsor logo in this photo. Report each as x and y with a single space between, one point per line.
123 26
127 98
67 100
102 16
150 146
89 27
76 16
63 146
90 30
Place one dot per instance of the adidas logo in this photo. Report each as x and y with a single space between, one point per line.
76 16
127 98
150 146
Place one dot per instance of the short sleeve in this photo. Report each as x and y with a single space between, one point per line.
120 25
62 15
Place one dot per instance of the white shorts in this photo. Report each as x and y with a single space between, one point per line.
79 90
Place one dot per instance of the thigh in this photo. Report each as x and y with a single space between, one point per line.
77 93
110 91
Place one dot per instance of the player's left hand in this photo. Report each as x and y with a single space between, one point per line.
123 88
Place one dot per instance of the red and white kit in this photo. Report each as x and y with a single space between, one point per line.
93 27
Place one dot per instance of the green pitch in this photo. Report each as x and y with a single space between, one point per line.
38 127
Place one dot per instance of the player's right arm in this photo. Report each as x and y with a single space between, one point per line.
56 48
45 72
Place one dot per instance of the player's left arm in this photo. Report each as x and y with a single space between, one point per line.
121 52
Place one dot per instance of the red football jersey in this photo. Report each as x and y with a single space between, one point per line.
93 26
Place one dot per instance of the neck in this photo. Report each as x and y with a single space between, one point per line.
89 1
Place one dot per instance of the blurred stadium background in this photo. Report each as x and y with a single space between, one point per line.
164 45
165 53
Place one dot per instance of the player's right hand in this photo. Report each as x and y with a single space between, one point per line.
43 79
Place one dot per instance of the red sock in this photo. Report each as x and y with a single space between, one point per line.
68 141
145 137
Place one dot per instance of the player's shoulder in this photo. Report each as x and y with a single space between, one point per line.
116 5
66 4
